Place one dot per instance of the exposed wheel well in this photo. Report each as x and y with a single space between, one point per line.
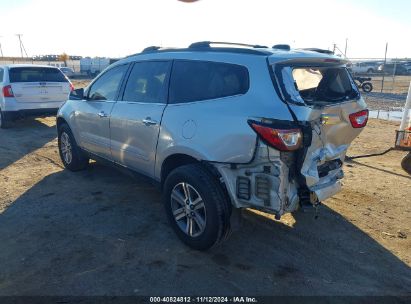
177 160
60 121
174 161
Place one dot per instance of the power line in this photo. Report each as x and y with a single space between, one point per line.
22 48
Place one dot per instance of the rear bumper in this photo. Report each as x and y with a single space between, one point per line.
12 105
13 115
269 183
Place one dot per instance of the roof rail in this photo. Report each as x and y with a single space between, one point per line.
151 49
206 44
319 51
284 47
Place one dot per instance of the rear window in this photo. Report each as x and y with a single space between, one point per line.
36 74
318 84
201 80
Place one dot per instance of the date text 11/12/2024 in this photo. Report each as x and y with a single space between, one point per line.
203 300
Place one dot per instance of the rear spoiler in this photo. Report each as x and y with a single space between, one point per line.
322 51
324 60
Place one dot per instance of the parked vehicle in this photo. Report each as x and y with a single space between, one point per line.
67 71
365 67
31 90
364 83
393 69
407 65
219 128
93 66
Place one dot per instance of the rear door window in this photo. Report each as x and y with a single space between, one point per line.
1 74
201 80
147 82
315 85
36 74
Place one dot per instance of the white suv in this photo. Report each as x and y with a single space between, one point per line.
31 89
219 128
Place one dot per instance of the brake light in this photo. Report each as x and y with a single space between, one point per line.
71 87
7 91
359 119
281 139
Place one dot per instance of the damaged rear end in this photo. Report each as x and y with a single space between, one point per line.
323 97
300 162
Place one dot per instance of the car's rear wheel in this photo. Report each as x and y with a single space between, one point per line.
406 163
71 155
4 122
196 206
370 71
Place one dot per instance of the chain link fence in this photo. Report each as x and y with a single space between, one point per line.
390 79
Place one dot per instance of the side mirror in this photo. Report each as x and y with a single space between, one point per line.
77 94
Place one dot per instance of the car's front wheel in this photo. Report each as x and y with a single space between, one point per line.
197 207
71 155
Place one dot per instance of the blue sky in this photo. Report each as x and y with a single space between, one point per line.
108 28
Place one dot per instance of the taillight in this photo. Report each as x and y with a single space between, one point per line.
7 91
359 119
71 87
281 139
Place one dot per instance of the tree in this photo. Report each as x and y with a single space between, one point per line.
64 57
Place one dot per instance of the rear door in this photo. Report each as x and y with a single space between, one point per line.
323 94
136 118
38 84
92 116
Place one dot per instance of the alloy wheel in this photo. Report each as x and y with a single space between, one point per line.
66 148
188 209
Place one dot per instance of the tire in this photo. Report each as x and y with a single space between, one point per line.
71 155
209 217
4 122
370 71
367 87
406 163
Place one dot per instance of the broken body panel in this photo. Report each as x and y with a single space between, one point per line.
278 182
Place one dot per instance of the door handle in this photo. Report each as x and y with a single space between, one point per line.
149 122
102 114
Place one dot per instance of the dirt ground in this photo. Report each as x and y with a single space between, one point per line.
102 232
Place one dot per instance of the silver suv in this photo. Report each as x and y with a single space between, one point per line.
219 127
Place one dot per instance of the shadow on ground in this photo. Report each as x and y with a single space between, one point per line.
14 143
100 232
382 170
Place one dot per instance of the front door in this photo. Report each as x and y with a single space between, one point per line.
93 115
136 118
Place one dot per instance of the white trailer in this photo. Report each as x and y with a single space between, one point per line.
93 66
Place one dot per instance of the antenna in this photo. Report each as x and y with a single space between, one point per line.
22 48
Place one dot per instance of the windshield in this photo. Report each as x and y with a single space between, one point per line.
313 85
36 74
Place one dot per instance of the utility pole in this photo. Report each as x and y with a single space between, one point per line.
383 72
1 49
345 51
21 46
